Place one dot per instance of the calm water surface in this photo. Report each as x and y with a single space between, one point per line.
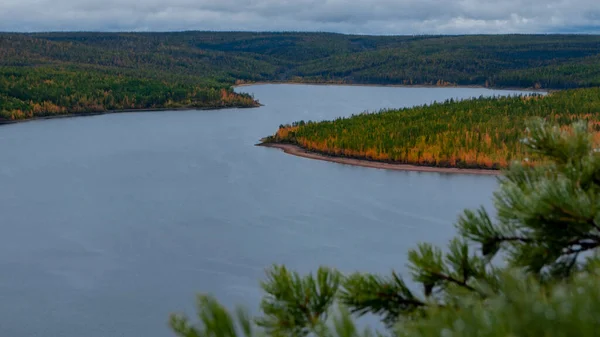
110 223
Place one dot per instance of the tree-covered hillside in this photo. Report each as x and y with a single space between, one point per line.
162 70
228 56
498 61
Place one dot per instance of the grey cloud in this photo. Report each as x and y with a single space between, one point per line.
346 16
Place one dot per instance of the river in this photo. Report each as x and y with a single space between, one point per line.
109 223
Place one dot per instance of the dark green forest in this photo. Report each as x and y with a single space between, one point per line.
547 61
45 74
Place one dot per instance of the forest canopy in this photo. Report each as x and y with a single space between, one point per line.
484 132
45 74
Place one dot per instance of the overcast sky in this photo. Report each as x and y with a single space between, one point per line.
344 16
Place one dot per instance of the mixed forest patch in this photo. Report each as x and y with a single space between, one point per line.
483 133
45 92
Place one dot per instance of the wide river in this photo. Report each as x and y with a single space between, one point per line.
109 223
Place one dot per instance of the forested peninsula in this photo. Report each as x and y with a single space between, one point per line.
55 74
483 133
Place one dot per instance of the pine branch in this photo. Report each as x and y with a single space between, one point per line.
294 304
453 280
389 297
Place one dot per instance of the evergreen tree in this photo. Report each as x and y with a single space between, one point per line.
530 270
480 133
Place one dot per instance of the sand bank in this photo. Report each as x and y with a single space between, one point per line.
300 152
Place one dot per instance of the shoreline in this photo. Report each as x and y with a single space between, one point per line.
429 86
88 114
108 112
296 150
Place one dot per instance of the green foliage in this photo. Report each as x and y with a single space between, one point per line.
473 133
388 297
525 308
48 91
546 230
295 305
215 321
547 215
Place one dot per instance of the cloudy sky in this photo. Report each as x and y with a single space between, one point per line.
344 16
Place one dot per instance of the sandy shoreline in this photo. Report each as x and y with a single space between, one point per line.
300 152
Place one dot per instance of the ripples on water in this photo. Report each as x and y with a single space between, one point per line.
109 223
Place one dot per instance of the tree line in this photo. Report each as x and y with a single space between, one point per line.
483 132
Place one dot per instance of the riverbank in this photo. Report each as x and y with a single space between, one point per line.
88 114
300 152
241 85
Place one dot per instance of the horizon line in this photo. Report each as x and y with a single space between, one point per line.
280 32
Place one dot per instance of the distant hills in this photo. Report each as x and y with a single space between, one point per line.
547 61
192 68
